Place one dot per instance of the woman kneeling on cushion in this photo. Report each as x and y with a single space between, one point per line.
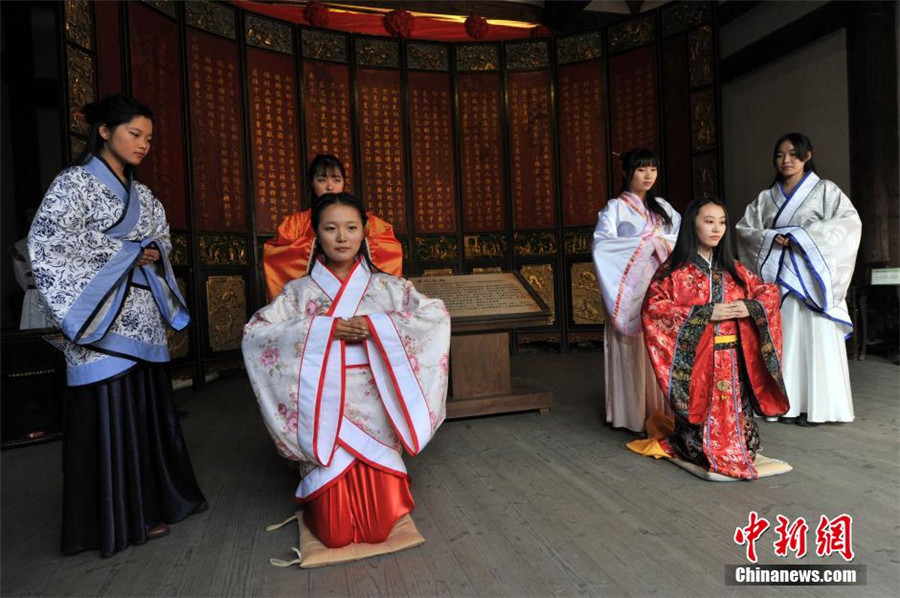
349 366
713 331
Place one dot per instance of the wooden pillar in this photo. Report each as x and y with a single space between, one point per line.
874 135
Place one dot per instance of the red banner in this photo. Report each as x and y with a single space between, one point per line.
381 139
156 81
434 189
326 93
480 99
217 143
109 48
531 148
274 128
677 161
633 111
582 129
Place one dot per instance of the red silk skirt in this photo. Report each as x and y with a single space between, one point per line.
362 506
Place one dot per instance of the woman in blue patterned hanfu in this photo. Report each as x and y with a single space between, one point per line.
99 248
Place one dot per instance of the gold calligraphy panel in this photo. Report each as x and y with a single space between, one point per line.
530 140
481 149
634 115
587 302
155 56
226 302
434 187
582 130
274 134
326 92
382 152
216 132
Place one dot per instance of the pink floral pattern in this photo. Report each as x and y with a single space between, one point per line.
276 336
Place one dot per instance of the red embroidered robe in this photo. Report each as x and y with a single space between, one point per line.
712 386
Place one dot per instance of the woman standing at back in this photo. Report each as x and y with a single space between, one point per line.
803 234
635 233
99 248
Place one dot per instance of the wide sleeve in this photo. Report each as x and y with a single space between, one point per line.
678 338
273 346
823 252
159 275
286 256
612 255
752 233
81 272
412 341
386 250
761 342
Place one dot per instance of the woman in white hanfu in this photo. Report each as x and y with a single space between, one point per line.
803 234
635 233
99 247
349 366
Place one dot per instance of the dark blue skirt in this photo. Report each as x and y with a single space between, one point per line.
126 467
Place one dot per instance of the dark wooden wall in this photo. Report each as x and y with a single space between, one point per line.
482 155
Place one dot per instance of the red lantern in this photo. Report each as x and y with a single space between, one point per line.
540 31
399 23
477 27
316 14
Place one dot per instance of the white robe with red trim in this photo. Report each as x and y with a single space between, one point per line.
327 403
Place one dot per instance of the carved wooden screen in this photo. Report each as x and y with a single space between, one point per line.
482 155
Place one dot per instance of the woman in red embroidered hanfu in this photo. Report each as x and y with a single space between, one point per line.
349 366
713 331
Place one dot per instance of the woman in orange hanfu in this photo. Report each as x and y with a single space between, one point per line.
286 256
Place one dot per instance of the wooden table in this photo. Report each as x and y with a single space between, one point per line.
480 380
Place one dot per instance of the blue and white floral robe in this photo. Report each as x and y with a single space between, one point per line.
84 244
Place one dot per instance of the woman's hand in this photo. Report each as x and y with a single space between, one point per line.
782 241
733 310
352 330
148 256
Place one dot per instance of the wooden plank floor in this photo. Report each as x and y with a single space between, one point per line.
512 505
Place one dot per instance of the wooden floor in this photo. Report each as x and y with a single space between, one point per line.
514 505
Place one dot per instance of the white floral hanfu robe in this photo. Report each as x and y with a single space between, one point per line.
84 243
813 274
328 403
630 243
